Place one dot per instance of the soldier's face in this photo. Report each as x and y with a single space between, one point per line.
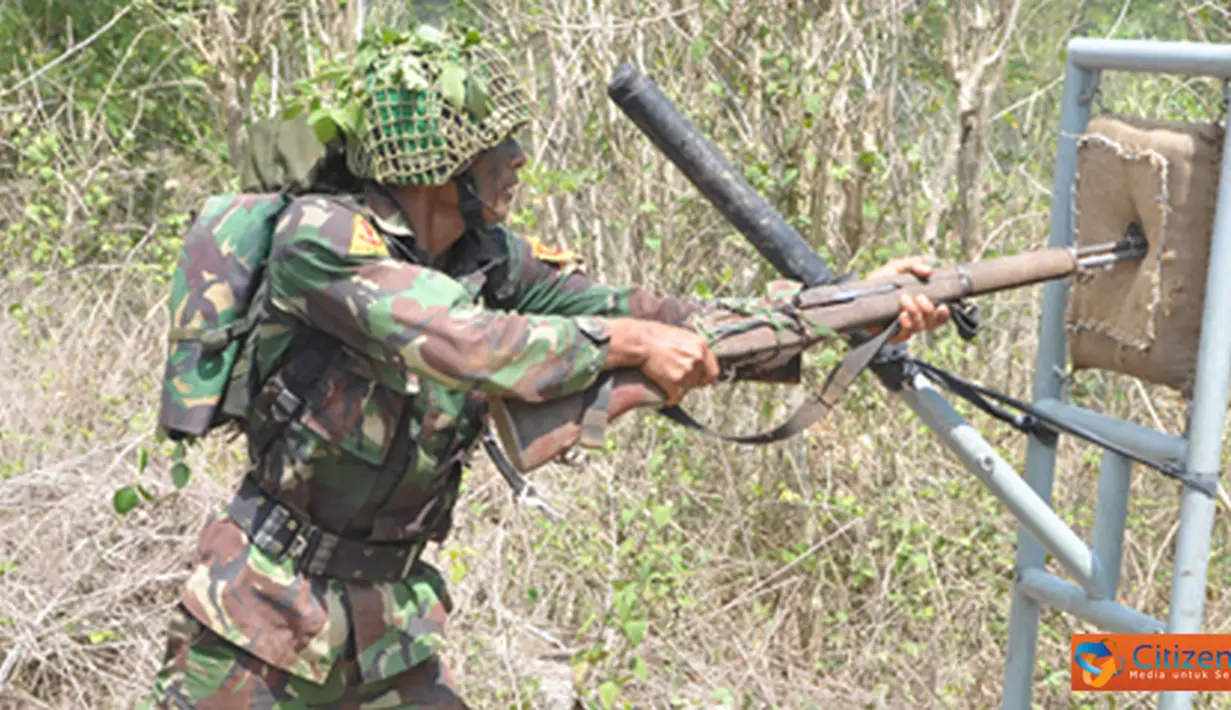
495 175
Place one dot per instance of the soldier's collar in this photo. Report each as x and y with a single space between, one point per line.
385 212
473 250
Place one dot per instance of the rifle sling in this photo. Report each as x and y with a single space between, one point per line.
524 492
1036 423
814 408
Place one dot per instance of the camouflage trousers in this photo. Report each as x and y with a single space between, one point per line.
202 671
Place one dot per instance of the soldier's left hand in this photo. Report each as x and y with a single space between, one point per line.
918 314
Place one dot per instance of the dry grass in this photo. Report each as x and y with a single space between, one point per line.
83 591
856 566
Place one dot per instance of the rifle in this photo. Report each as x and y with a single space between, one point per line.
752 340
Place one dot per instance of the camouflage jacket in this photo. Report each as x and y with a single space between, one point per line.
378 453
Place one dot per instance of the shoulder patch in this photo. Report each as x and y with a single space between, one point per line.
559 257
364 240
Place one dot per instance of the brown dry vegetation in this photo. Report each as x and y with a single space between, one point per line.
856 566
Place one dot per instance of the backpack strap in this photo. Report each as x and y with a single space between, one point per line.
213 339
308 358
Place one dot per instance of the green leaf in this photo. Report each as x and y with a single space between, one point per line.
412 75
634 630
365 57
478 97
453 86
325 128
143 459
662 515
697 51
348 118
338 74
97 637
180 473
607 693
430 36
624 600
125 499
472 38
640 670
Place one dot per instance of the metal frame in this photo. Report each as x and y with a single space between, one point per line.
1096 567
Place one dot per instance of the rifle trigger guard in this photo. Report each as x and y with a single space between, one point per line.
966 319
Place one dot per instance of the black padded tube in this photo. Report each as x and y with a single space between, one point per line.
713 175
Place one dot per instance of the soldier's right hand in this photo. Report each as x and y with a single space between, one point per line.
678 360
675 359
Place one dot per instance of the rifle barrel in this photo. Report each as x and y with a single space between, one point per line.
1133 246
872 304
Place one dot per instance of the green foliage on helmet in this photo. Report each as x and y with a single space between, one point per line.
417 106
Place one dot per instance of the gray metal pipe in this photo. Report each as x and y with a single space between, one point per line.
1036 515
1143 441
1209 413
1111 512
1151 56
1048 373
1108 615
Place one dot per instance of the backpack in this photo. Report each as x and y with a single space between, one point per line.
218 294
216 282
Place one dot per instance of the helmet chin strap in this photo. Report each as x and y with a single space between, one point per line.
468 201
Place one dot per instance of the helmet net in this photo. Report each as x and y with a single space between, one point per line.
415 135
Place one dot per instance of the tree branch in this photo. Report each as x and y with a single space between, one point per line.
69 52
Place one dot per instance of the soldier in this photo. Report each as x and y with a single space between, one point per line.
393 314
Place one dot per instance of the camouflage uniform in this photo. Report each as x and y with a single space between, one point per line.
376 453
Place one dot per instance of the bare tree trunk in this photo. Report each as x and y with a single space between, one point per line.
975 43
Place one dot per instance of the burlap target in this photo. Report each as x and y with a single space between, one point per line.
1143 319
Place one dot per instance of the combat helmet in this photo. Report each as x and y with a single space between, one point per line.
426 102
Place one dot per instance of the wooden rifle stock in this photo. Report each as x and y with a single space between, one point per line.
534 433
